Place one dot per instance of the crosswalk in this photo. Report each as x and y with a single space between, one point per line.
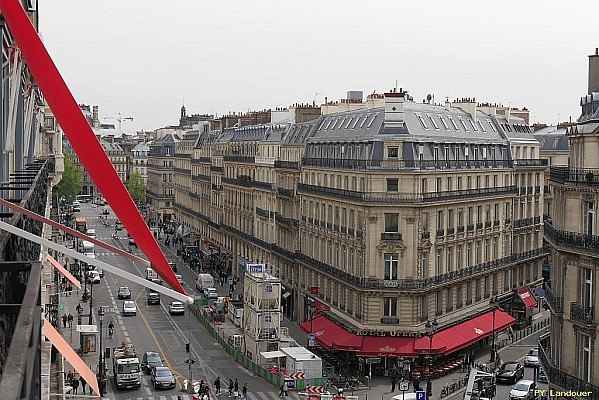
251 396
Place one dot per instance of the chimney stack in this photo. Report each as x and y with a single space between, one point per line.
594 72
394 108
95 119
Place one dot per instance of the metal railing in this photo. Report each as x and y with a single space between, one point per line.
285 192
556 303
407 165
572 239
391 236
574 176
286 164
242 159
582 314
559 378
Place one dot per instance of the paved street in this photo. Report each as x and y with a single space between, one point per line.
154 329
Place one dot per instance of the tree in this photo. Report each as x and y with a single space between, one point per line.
137 188
71 182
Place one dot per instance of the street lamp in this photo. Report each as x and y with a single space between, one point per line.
79 312
101 370
494 305
431 327
91 302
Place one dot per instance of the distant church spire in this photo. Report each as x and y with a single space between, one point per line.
183 112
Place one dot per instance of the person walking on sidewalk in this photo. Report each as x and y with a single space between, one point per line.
393 383
84 384
236 386
70 320
217 385
230 387
64 320
75 384
244 392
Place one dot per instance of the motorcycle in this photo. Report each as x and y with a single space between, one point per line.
110 331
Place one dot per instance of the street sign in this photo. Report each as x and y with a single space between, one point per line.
205 302
373 360
310 343
311 336
87 328
404 386
421 395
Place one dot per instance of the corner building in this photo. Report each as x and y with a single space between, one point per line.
381 216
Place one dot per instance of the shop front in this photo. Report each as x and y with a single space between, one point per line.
523 306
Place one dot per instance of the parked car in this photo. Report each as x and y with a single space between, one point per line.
91 233
129 308
176 307
523 390
173 266
541 377
124 292
150 360
532 358
179 278
511 371
153 298
162 378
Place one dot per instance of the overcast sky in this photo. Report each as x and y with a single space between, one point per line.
144 58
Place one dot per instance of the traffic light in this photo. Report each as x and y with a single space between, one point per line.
187 347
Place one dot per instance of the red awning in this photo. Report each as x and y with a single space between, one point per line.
387 346
329 334
464 334
527 297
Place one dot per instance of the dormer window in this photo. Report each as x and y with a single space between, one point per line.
472 124
444 123
356 122
463 124
364 121
393 152
455 126
328 124
482 128
433 122
372 120
422 121
492 125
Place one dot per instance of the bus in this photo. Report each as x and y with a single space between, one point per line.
83 198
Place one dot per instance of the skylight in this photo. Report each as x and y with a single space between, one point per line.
363 122
422 122
455 126
433 121
372 120
444 123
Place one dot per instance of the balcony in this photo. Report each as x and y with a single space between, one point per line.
401 165
426 236
522 223
240 159
285 192
479 225
390 236
204 178
290 222
573 240
554 302
582 314
217 188
215 168
470 193
294 165
440 232
559 378
203 160
582 177
450 230
461 229
264 213
470 227
390 320
243 181
530 162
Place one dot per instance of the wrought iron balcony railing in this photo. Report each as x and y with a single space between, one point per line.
530 162
215 168
241 159
574 176
559 378
285 192
582 314
401 165
556 303
572 239
286 164
291 222
390 236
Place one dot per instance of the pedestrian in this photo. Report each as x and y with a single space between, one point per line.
217 385
236 388
416 384
230 387
64 320
75 384
70 320
285 388
83 384
393 383
244 391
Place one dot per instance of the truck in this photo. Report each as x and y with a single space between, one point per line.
88 249
204 281
235 311
126 367
81 225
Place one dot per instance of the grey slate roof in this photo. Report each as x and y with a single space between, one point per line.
552 140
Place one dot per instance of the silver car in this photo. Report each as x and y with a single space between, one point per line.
532 358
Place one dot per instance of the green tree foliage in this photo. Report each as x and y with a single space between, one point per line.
71 182
137 188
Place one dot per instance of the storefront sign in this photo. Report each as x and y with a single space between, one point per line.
393 333
255 267
313 289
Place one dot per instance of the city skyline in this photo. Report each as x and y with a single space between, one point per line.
146 62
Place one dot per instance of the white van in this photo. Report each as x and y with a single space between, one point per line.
152 275
88 249
91 233
204 281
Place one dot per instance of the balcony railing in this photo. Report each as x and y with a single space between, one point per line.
285 192
426 235
247 183
440 232
556 303
264 213
559 378
521 223
241 159
530 162
291 222
217 188
574 176
582 314
572 239
287 164
215 168
390 236
409 165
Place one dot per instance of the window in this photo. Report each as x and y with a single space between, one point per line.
455 126
463 124
422 121
450 218
391 266
372 120
492 125
356 122
459 297
589 222
459 257
391 222
448 299
390 309
482 127
424 265
472 125
364 121
469 292
440 220
460 217
449 260
392 152
438 263
433 122
444 123
439 302
392 185
583 343
468 254
586 290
